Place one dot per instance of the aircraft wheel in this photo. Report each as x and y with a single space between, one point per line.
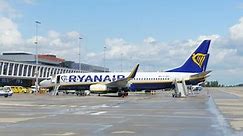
119 94
123 94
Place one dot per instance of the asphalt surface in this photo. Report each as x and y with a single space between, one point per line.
138 114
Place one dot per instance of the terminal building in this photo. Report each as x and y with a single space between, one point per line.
19 68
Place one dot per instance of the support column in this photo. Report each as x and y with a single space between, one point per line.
8 69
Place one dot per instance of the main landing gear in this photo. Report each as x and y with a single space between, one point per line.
122 94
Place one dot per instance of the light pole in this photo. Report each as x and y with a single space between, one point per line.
80 65
36 55
121 60
104 57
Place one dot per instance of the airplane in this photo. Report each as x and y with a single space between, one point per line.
193 71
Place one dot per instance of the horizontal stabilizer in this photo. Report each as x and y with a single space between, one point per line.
202 74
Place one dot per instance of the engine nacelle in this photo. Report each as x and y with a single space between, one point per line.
98 88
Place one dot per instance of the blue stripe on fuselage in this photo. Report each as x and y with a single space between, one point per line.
150 86
157 86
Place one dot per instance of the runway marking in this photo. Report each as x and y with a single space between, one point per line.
13 120
98 113
15 104
155 110
164 116
104 127
123 132
111 117
64 134
73 106
84 106
202 113
220 120
230 93
157 116
63 105
123 120
237 124
232 107
116 106
40 105
99 106
104 106
83 112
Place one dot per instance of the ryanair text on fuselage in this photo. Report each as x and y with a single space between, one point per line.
91 78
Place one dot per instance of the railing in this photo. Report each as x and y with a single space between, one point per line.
27 71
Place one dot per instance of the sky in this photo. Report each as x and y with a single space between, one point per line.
157 34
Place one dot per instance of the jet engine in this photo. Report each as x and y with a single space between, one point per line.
98 88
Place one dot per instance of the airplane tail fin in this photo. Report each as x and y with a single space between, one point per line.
197 62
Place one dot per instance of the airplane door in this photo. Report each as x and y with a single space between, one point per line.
58 79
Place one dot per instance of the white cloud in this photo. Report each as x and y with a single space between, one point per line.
8 11
9 34
64 45
53 34
73 35
150 40
117 46
236 31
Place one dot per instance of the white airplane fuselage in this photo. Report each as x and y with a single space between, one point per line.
142 80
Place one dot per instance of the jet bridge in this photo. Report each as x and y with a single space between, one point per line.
13 70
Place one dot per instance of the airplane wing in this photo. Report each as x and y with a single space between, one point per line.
123 82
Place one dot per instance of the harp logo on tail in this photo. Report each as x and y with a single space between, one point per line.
198 58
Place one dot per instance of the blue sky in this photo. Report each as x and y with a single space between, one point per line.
157 34
131 20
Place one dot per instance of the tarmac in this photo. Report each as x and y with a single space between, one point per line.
212 112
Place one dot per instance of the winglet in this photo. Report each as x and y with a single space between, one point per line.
124 81
133 72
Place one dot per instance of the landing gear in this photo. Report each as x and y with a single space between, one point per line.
122 94
175 95
126 93
119 94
